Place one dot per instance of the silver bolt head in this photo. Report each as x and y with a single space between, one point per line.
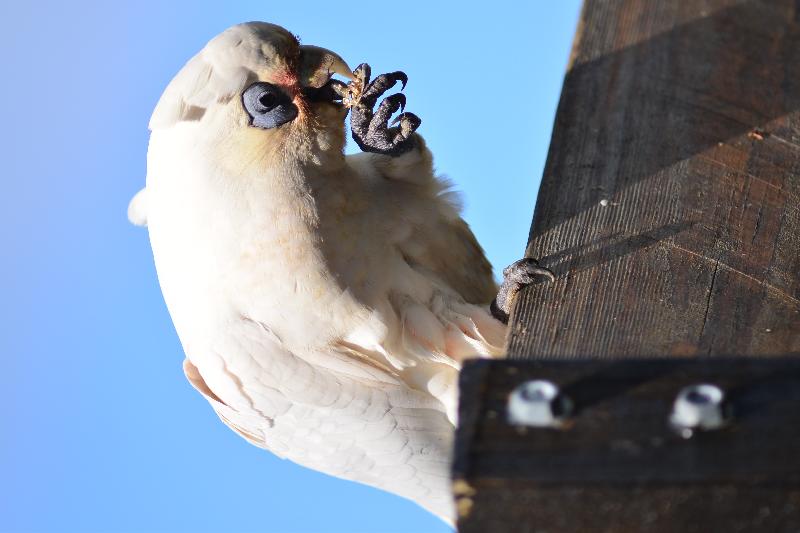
537 403
698 407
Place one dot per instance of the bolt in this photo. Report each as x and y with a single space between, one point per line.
537 403
698 407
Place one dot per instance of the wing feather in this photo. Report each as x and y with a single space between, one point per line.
345 423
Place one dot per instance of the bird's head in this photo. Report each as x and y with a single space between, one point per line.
254 94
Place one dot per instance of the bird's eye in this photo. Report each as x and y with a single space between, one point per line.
267 105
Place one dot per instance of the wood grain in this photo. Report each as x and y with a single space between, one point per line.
670 203
669 211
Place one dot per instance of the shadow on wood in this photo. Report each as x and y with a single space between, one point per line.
670 204
616 463
669 211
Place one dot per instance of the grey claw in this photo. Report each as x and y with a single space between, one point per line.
387 108
370 127
525 270
363 71
546 273
402 78
401 98
409 122
517 275
380 85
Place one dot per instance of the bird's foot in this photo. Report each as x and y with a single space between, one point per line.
353 90
517 275
370 127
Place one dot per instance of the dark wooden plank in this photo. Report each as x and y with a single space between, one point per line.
520 508
617 464
670 212
670 204
619 431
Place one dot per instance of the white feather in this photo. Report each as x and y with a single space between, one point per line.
324 303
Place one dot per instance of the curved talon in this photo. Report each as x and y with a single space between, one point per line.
402 99
547 273
362 73
380 85
409 122
407 118
524 270
389 106
517 275
400 76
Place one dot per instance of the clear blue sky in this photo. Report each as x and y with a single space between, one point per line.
100 431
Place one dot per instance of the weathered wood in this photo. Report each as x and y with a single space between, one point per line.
670 213
521 508
620 425
617 464
670 204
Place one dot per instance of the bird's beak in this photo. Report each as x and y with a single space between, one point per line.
317 65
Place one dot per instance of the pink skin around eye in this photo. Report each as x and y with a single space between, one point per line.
287 79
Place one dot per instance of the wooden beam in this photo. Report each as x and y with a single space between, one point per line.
617 463
670 203
669 211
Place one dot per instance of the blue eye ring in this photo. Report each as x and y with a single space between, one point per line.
268 106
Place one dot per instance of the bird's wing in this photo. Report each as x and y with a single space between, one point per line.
448 248
443 281
330 412
441 241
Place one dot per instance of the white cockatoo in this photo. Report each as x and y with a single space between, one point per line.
325 302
